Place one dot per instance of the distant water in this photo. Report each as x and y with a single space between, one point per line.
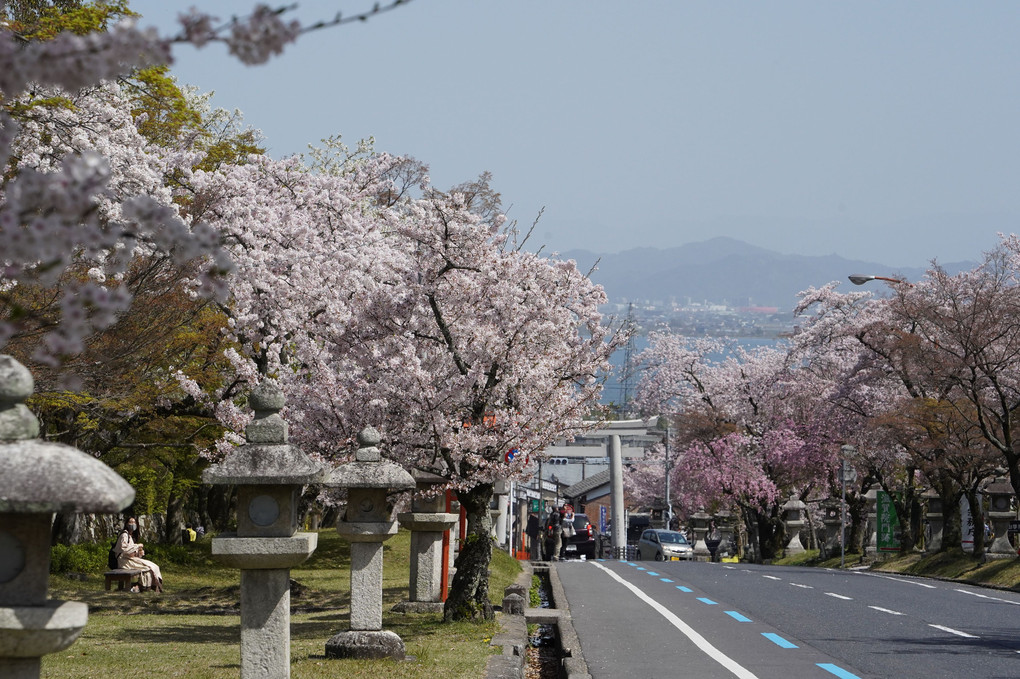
613 391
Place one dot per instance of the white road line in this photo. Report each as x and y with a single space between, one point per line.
955 631
992 598
885 610
909 582
699 641
839 596
797 584
771 577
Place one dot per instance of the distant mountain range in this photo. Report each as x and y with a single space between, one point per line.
724 271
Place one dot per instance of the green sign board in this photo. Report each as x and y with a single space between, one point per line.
888 523
534 505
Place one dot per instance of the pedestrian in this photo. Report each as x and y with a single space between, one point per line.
554 539
129 553
533 529
567 527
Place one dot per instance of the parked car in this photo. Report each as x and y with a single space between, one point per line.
664 545
586 539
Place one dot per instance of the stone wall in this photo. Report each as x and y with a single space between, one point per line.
76 529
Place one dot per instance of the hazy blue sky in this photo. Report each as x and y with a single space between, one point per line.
885 131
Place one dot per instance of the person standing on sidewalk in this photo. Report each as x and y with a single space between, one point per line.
533 529
555 535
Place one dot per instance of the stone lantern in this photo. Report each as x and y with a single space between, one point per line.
999 493
699 522
38 480
793 517
871 503
832 520
933 542
269 474
427 522
367 523
724 523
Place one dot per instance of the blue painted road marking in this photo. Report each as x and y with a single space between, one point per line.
641 568
684 589
665 579
838 671
778 640
707 601
737 616
651 573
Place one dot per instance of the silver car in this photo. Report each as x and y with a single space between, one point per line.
663 545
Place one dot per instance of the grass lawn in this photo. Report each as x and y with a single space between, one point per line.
193 628
958 565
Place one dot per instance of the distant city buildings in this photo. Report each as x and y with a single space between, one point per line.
700 319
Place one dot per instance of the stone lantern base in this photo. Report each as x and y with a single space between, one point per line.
364 644
29 632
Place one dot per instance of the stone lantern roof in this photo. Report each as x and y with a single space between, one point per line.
41 477
267 458
369 470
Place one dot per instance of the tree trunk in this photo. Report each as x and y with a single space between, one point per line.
469 592
753 551
220 502
977 515
174 515
771 534
856 506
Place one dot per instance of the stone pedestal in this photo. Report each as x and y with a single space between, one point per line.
936 524
38 479
367 523
426 579
832 520
699 522
29 632
999 493
871 539
361 644
727 534
501 518
269 473
366 578
793 516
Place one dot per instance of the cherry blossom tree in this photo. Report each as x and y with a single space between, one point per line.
900 381
55 216
745 429
421 316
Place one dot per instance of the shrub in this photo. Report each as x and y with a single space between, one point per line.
84 558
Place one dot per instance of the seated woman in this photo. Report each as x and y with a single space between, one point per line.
129 555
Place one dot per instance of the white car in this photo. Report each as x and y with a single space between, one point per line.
664 545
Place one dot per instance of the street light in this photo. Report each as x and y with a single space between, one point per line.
861 279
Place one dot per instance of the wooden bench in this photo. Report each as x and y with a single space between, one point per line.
122 576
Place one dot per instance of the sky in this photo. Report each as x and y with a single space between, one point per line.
887 132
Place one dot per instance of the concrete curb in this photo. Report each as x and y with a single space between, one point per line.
513 634
574 666
512 637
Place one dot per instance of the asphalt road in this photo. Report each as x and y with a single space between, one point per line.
679 619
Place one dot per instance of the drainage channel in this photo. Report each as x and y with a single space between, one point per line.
543 658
